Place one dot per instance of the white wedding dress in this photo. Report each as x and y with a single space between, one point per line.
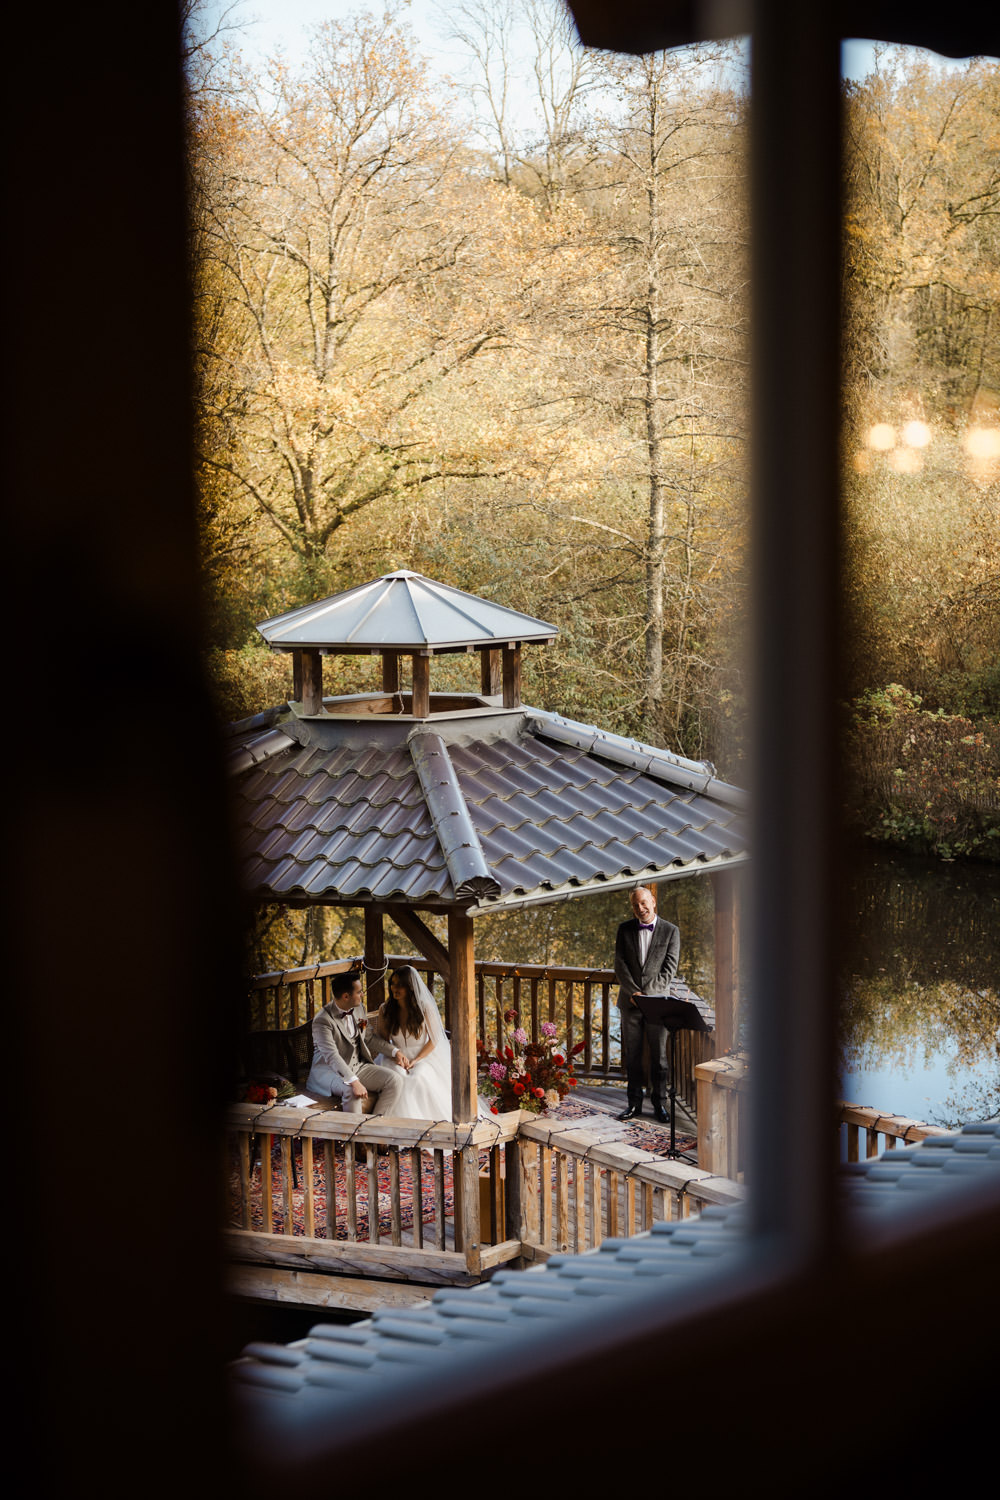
427 1086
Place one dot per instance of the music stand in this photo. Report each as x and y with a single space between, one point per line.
675 1015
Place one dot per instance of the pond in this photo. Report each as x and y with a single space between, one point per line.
921 989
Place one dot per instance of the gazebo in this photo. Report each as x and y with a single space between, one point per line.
406 800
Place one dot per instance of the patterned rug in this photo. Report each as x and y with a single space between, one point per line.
340 1232
644 1134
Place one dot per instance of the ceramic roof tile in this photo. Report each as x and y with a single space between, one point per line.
336 1370
346 819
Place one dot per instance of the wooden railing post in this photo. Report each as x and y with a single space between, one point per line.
466 1170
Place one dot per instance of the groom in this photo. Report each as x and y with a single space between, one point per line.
342 1064
646 953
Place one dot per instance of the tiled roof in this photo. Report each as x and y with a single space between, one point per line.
336 1371
502 810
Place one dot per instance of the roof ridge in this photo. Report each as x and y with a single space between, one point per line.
450 816
666 765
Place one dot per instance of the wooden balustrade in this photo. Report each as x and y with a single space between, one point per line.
576 1192
859 1125
580 1001
353 1195
342 1206
288 998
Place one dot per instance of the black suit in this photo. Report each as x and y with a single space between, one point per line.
650 978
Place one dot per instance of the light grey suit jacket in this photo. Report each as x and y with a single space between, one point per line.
336 1055
652 977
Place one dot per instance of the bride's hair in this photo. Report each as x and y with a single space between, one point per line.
392 1010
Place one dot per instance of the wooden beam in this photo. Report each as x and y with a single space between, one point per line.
390 671
374 957
312 682
727 959
422 938
297 676
399 1262
512 676
461 952
490 674
421 705
314 1289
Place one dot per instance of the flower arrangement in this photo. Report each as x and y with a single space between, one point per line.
269 1088
521 1074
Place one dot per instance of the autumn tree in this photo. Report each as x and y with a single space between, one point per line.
529 81
923 209
922 379
671 209
368 304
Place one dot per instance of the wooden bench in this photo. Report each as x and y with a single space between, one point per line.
288 1054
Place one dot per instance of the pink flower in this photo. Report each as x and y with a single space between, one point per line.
497 1072
520 1035
548 1029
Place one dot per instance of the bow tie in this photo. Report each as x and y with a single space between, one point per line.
646 926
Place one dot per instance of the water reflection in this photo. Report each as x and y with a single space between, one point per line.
921 989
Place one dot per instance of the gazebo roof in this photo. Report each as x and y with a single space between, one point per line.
402 611
501 810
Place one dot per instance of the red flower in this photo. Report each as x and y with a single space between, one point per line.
539 1093
494 1109
578 1048
557 1057
509 1053
519 1088
572 1083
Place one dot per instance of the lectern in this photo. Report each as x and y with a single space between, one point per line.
675 1015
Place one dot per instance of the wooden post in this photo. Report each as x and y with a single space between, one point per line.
711 1125
512 675
374 957
390 671
421 702
297 676
490 674
312 682
461 954
727 960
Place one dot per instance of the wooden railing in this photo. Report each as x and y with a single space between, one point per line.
723 1092
723 1086
860 1125
362 1194
580 1001
353 1205
574 1193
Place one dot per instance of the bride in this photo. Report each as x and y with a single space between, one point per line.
409 1035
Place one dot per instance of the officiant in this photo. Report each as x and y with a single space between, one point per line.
647 951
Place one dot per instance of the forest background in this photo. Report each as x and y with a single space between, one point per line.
496 332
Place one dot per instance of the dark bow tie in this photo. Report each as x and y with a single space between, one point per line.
646 926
